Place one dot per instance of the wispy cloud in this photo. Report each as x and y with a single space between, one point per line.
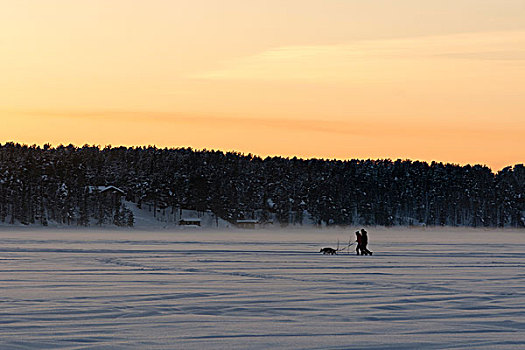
503 55
416 129
362 60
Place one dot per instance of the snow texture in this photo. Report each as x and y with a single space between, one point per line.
261 289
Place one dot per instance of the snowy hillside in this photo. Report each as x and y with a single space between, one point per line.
146 219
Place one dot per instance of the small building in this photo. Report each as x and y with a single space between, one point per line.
190 222
111 193
248 223
106 189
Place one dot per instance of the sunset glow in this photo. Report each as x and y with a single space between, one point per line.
434 80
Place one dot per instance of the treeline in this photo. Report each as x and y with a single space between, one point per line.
42 184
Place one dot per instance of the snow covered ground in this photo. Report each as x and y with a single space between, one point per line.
198 289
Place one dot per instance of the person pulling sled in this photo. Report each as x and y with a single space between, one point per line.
359 240
364 243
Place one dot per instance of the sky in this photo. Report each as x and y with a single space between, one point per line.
433 80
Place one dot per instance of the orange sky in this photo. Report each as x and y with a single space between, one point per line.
429 80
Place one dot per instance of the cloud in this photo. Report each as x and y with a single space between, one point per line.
159 118
369 60
368 128
509 55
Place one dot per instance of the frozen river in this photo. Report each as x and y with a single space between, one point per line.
434 289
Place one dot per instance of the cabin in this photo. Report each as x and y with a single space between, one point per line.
248 223
190 222
113 193
106 189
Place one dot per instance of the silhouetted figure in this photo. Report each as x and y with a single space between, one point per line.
364 243
359 240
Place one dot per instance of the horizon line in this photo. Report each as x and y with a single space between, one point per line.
254 155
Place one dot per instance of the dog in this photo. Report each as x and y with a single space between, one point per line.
329 251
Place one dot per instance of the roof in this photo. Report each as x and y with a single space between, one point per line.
190 219
102 189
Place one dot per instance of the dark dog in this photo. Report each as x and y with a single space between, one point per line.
329 251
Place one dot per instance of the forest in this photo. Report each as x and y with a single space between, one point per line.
43 184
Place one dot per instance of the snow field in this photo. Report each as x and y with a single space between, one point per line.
197 289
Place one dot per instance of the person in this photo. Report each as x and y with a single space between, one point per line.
364 243
359 240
